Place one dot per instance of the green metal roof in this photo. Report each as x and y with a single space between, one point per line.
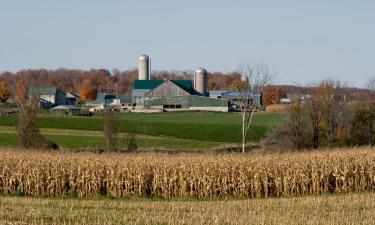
44 90
146 84
187 85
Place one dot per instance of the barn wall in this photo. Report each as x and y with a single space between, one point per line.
167 89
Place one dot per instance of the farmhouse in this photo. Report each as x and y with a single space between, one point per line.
71 98
49 96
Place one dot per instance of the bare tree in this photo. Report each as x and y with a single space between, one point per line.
28 132
28 106
253 79
111 129
371 109
314 111
297 124
371 84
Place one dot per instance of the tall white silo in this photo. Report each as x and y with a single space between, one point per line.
144 68
200 81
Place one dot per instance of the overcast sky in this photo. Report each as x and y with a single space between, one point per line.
302 40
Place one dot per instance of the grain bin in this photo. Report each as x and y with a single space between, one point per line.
144 67
200 81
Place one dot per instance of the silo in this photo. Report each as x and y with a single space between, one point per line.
200 81
144 68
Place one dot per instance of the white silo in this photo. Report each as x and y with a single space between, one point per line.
144 68
200 81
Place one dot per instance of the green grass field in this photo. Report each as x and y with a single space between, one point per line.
92 140
181 130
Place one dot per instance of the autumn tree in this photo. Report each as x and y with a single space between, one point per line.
87 92
362 130
4 92
272 94
332 103
326 107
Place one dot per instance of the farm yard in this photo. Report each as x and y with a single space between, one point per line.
188 131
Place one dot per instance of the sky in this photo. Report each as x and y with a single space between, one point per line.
302 41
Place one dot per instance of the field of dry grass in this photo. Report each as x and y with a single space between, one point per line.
38 173
357 208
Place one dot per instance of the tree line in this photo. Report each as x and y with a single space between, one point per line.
88 82
328 118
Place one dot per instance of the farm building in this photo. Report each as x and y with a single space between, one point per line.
151 89
49 96
174 94
188 102
65 110
183 94
105 99
234 96
71 98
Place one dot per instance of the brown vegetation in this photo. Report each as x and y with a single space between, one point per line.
277 108
28 105
324 119
306 173
354 208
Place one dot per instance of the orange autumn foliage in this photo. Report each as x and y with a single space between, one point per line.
87 93
272 94
238 85
21 92
4 92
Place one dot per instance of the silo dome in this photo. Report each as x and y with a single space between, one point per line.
200 81
143 57
201 70
144 67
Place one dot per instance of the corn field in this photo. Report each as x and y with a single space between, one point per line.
38 173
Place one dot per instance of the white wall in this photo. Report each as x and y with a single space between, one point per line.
48 98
